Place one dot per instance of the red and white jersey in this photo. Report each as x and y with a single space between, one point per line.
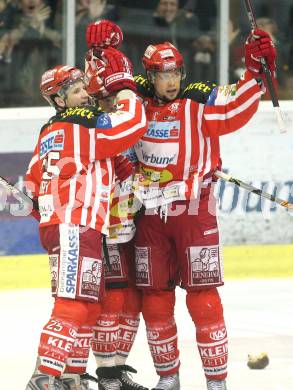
181 145
71 171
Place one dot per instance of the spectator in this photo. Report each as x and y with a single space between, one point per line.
88 11
270 26
34 44
206 12
236 41
6 11
172 25
204 58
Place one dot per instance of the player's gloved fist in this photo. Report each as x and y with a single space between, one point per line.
118 71
94 66
260 45
123 167
103 33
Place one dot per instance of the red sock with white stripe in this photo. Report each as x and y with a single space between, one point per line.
128 326
129 322
106 330
163 344
213 349
56 342
78 356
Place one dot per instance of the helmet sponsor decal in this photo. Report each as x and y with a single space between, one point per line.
150 50
166 53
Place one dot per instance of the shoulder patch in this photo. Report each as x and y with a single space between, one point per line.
199 91
144 88
85 116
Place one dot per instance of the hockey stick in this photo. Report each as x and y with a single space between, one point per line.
254 190
267 73
19 194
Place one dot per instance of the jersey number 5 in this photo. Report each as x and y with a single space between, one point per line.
49 165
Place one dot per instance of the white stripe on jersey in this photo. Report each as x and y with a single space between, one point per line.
122 117
188 138
105 227
235 111
97 201
89 179
208 156
201 141
72 184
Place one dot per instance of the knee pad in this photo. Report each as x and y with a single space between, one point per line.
70 310
133 301
204 306
158 306
113 301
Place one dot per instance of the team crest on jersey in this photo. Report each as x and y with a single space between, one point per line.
174 107
115 262
205 265
143 271
91 274
53 263
52 141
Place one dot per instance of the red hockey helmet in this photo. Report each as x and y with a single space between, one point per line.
57 80
163 57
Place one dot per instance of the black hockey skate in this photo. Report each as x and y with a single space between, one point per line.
126 379
108 378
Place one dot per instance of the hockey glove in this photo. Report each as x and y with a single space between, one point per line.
93 68
260 45
103 33
123 167
118 71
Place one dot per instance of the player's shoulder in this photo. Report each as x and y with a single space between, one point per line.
85 116
144 87
198 91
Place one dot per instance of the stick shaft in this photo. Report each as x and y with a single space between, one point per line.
25 198
270 84
254 190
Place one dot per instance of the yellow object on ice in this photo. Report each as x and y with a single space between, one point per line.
240 262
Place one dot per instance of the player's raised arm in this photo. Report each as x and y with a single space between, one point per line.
230 107
113 74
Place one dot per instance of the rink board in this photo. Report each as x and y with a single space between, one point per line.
254 261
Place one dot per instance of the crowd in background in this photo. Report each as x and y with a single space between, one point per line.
32 38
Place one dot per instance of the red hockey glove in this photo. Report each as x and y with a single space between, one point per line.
103 33
118 72
259 44
93 67
123 167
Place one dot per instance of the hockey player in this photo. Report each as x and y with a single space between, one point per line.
182 144
178 156
117 325
70 174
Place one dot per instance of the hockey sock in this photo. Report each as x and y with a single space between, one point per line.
106 330
78 356
158 312
57 339
128 324
206 311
